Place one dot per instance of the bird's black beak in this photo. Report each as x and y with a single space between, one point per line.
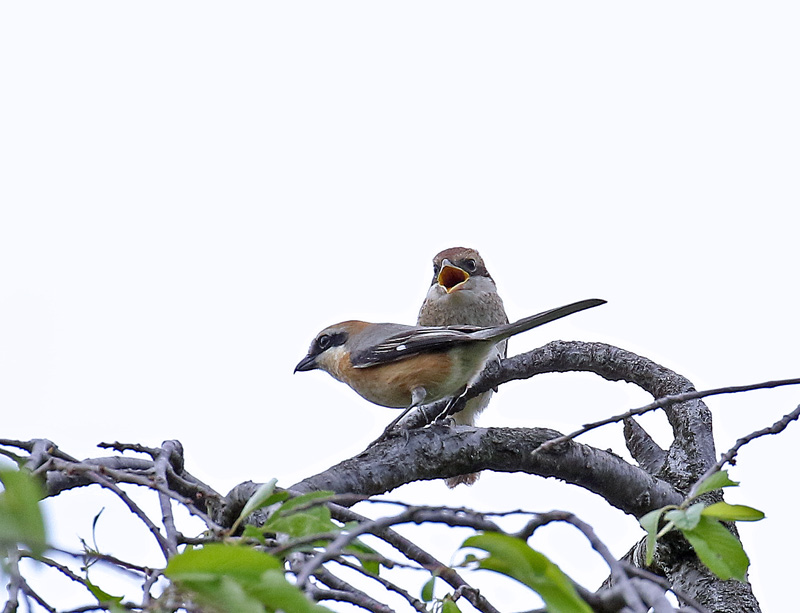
307 363
451 278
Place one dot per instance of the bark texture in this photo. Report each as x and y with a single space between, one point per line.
662 476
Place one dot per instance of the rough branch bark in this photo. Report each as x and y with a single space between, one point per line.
434 453
438 452
662 477
692 450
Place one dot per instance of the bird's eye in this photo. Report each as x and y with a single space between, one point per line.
469 265
324 341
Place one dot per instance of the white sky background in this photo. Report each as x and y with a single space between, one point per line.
190 191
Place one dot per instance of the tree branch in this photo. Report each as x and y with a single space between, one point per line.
643 448
438 452
728 456
239 495
388 585
692 451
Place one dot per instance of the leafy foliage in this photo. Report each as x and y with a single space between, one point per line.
702 526
713 482
513 557
237 578
298 517
21 519
113 603
262 497
307 515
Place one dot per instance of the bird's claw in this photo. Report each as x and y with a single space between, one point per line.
391 431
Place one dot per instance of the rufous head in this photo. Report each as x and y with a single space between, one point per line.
454 267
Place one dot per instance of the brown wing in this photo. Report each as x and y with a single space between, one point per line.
413 342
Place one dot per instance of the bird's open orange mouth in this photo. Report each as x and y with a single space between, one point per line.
451 278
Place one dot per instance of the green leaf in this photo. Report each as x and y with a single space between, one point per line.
715 481
102 596
316 520
718 549
278 594
222 594
469 559
275 498
313 520
732 512
256 501
114 603
21 519
427 590
237 578
449 606
216 559
304 499
264 496
685 519
361 549
513 557
650 522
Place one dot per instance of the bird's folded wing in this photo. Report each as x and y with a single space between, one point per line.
414 342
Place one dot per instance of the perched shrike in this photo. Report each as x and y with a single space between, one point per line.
463 292
395 365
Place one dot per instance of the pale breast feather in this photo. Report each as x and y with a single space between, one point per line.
414 342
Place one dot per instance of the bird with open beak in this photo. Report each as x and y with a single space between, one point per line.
463 292
395 365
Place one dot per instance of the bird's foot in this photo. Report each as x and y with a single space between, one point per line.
444 420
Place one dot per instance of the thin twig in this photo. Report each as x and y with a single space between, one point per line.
29 446
148 584
15 584
135 569
663 582
423 558
347 596
299 541
17 459
135 509
161 463
728 456
359 597
31 593
661 403
411 514
122 476
64 570
631 596
414 602
153 452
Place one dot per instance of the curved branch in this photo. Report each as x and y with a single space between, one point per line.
692 451
438 452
